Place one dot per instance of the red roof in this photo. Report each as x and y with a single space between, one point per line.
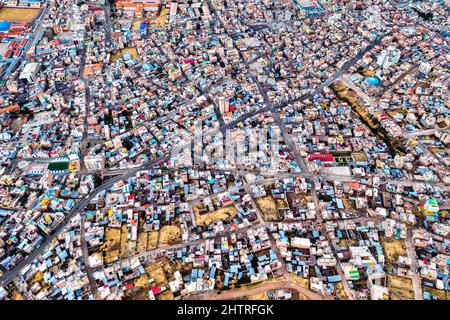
156 290
23 42
10 108
324 157
7 53
129 286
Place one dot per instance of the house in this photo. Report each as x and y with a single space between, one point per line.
29 72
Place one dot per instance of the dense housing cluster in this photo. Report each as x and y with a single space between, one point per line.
224 149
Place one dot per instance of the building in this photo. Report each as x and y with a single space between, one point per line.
138 6
224 105
12 86
29 72
425 67
95 163
389 57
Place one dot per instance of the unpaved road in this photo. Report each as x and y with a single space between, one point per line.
269 286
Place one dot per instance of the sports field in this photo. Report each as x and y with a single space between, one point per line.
18 14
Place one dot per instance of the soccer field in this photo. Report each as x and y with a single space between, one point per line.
18 14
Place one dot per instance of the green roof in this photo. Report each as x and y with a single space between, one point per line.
57 166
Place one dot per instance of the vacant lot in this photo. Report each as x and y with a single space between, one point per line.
393 248
400 288
169 235
142 242
131 247
161 21
224 214
440 294
123 241
141 281
17 296
165 295
132 51
359 156
269 208
259 296
301 281
153 239
339 290
349 205
157 274
18 14
112 244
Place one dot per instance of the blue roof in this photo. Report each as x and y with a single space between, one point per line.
373 81
4 26
212 273
334 278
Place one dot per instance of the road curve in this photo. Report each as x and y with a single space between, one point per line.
269 286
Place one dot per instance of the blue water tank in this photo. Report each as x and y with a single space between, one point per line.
373 81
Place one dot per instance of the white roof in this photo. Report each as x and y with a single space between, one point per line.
30 68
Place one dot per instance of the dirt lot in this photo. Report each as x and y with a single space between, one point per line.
440 294
118 54
160 272
123 241
393 248
301 281
367 72
268 207
259 296
161 21
359 156
37 278
303 199
136 294
142 241
400 288
156 272
111 245
18 14
140 289
339 290
17 296
142 281
224 214
169 235
349 205
345 93
165 295
152 240
282 204
131 248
